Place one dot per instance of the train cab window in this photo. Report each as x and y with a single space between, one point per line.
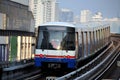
60 39
55 39
68 42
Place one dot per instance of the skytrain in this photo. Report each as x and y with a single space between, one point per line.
61 44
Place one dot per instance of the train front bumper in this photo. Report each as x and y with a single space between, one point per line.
71 63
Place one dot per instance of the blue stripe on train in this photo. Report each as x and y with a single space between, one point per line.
71 62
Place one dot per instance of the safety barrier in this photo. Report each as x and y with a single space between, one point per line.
84 68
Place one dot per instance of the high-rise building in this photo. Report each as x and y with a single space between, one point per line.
44 11
66 15
85 16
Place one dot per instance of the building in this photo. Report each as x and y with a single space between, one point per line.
97 17
76 19
44 11
85 16
16 32
66 15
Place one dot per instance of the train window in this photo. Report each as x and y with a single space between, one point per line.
56 39
39 41
71 41
68 41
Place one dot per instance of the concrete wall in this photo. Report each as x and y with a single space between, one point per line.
2 21
17 16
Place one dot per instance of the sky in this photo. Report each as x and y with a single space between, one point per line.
109 8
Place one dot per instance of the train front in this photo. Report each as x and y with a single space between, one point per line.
55 46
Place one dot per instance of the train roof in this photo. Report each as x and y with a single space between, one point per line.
85 27
58 24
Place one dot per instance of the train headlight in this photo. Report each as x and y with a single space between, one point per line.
58 47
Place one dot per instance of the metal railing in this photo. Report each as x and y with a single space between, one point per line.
97 70
85 70
112 60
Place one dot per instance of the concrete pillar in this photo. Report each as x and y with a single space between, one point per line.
96 40
86 43
25 44
21 47
100 37
82 34
27 47
91 44
30 48
109 32
108 29
94 45
99 41
103 35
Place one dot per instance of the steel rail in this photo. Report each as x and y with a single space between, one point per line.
111 62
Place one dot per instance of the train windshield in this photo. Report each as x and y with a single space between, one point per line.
56 38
